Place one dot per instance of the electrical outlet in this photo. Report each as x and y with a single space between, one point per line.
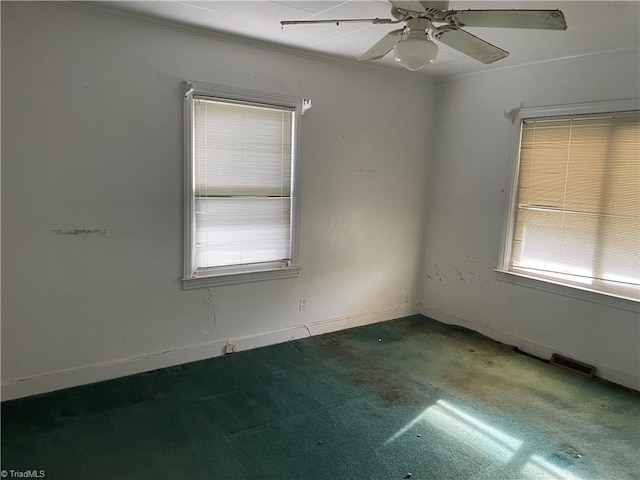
303 304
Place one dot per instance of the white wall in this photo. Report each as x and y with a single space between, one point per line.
92 139
468 178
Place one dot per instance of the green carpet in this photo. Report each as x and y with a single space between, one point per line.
376 402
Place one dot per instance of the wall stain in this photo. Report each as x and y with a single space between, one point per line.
436 273
82 231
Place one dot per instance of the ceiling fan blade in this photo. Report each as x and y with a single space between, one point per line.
338 21
541 19
420 6
383 46
414 6
470 45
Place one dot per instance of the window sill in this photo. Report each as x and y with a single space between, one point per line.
239 277
568 290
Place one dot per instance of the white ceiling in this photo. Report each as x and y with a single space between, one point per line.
593 27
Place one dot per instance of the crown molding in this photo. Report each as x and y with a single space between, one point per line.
522 66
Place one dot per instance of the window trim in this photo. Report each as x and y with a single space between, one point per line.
510 203
217 276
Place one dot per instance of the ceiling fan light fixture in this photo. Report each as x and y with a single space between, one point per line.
415 52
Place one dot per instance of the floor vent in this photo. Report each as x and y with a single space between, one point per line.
575 365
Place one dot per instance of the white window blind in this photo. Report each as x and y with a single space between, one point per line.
242 174
578 210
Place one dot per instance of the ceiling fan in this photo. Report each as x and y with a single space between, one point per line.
412 44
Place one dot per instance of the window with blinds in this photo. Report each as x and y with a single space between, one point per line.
242 182
577 216
241 185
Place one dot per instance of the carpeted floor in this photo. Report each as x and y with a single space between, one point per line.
410 398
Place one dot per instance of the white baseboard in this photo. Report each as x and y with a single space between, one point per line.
532 347
73 377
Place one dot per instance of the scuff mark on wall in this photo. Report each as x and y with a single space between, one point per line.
436 273
402 299
81 231
209 324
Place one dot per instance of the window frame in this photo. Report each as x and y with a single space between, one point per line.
542 282
237 274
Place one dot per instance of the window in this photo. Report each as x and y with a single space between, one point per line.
240 186
575 214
